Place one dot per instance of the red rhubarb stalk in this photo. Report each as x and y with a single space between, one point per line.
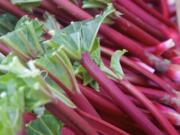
102 126
152 93
148 104
61 16
8 6
165 86
129 5
52 109
66 131
139 22
4 49
121 99
101 103
72 116
164 8
155 13
136 32
176 60
120 40
172 115
77 97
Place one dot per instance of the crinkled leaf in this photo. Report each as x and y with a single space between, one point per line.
10 83
11 110
95 55
40 111
115 63
33 97
51 24
37 25
13 101
2 57
31 76
92 4
88 80
59 65
94 85
7 23
101 4
77 38
28 47
50 46
15 66
27 5
40 83
80 71
24 40
80 36
44 125
95 3
53 66
107 71
96 52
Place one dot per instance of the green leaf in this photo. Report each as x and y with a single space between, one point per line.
15 66
11 109
39 111
37 25
80 36
95 3
115 63
45 125
108 71
7 23
2 57
59 65
96 52
101 4
33 97
88 80
12 105
95 55
79 70
77 38
25 39
51 24
92 4
27 5
31 76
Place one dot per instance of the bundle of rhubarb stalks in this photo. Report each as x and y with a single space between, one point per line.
89 67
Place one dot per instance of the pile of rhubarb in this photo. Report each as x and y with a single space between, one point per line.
89 67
